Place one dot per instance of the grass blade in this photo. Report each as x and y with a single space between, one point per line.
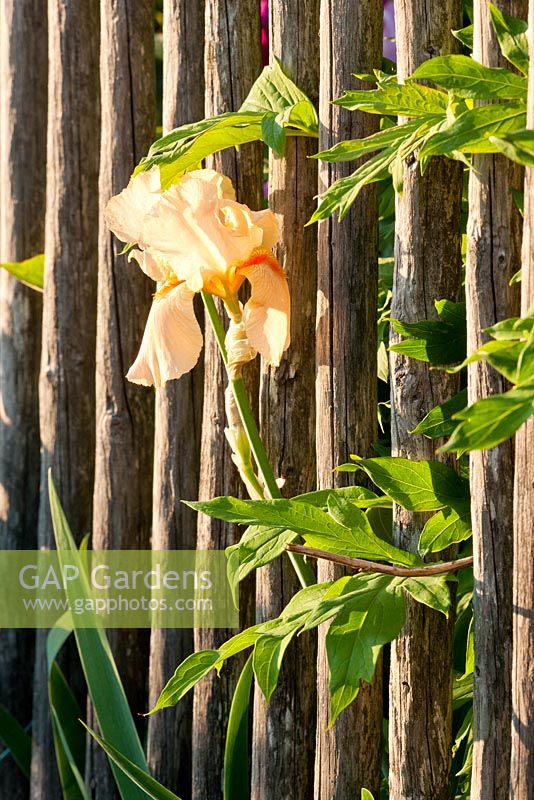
150 787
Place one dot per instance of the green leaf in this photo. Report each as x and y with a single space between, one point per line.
69 736
440 341
260 545
518 146
274 92
404 100
273 133
467 78
432 341
514 328
354 148
471 131
148 785
268 654
465 36
343 192
417 485
431 591
236 750
439 422
491 421
30 271
366 795
318 528
15 738
354 641
512 36
445 528
105 688
187 675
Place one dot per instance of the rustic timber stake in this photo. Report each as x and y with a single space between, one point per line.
22 212
232 64
283 748
427 267
348 755
522 758
493 256
66 385
124 412
177 427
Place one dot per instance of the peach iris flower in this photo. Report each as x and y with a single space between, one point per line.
195 237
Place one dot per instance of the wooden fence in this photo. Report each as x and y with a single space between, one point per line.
122 460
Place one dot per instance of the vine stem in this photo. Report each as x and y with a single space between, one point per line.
302 568
375 566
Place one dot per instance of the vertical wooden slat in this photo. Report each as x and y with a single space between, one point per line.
347 756
283 747
427 267
522 756
493 255
22 153
66 385
124 412
232 63
177 429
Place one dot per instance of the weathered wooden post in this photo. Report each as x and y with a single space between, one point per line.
66 385
283 748
232 63
177 428
124 412
493 255
347 756
427 267
22 153
522 759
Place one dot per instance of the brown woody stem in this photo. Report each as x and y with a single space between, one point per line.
387 569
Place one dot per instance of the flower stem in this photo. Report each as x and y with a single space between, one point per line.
303 569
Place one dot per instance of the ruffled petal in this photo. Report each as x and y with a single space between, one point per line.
267 313
151 266
124 214
266 220
199 232
225 187
172 340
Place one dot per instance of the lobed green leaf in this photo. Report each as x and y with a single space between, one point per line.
469 79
